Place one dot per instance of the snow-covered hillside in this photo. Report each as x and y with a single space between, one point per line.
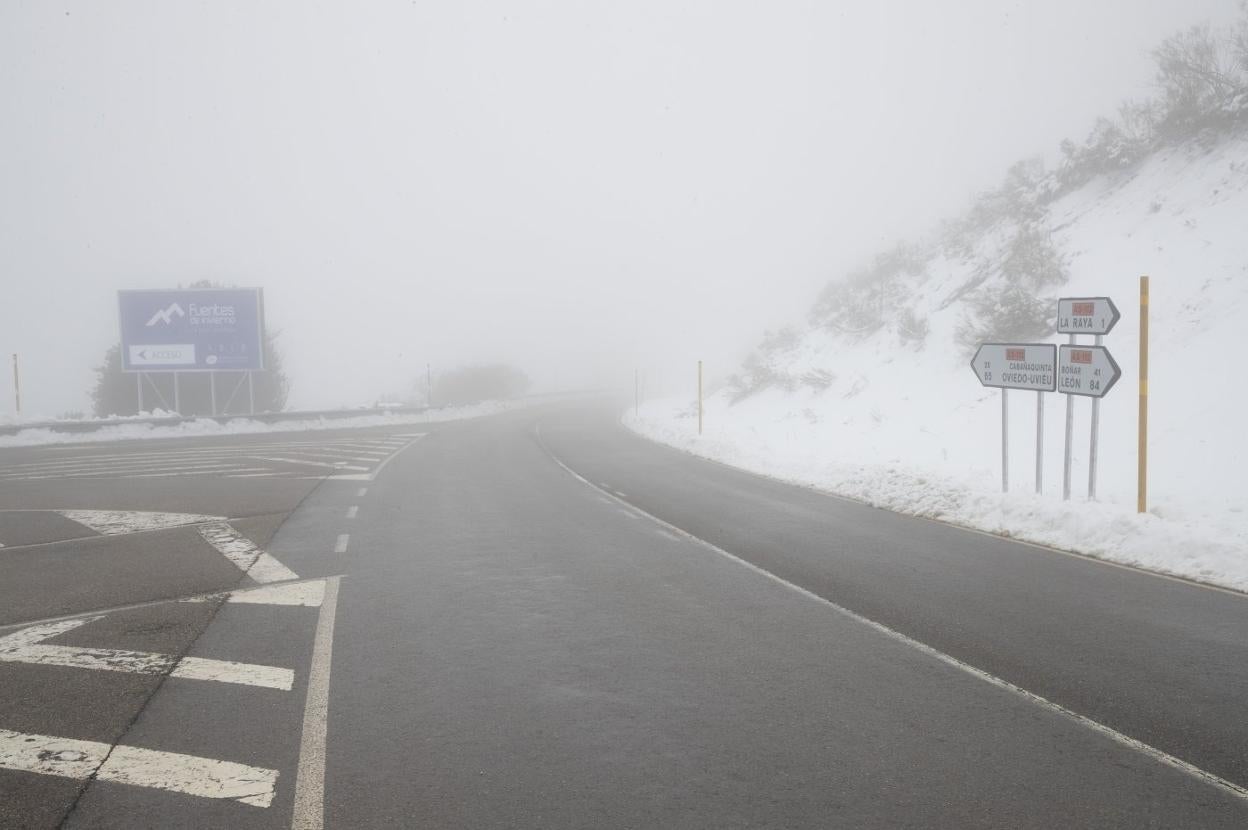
891 412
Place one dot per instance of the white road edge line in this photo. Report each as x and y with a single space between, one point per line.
189 774
340 546
309 810
1114 735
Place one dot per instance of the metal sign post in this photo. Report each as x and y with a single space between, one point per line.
699 397
1141 497
1089 371
1039 441
177 395
212 387
1018 366
1070 430
1092 440
1005 440
139 376
251 394
17 387
1085 315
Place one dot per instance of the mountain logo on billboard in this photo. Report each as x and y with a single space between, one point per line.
165 315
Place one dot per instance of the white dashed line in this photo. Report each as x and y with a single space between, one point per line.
189 774
352 511
341 545
359 494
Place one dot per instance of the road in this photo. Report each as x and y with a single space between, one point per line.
538 619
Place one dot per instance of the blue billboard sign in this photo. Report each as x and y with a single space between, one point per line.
192 330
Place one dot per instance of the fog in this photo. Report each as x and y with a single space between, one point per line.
577 188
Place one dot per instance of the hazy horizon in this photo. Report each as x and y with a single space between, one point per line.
576 189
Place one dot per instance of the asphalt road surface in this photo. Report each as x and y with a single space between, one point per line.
540 620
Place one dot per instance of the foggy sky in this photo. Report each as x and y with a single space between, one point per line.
575 187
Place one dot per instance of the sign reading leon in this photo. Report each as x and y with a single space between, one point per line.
1017 365
1086 315
192 330
1086 370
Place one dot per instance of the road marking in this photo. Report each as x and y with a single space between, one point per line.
359 494
189 774
308 594
341 545
251 560
413 438
309 811
667 535
352 511
116 522
341 465
1112 734
26 646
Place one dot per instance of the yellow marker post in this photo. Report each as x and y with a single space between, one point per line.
1142 473
699 397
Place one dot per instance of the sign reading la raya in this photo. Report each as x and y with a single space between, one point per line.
192 330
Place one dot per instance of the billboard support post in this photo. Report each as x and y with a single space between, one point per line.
139 378
212 387
251 394
177 395
1039 441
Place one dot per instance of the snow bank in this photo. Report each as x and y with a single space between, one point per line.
208 427
906 426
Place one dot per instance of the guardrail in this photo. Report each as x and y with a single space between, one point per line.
174 420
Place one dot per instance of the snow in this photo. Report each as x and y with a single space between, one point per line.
910 429
208 427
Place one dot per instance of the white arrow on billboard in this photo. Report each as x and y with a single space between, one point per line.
1086 370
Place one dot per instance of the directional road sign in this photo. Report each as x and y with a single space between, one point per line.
1086 315
192 330
1086 370
1017 365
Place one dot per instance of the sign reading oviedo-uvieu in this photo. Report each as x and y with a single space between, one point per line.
192 330
1017 365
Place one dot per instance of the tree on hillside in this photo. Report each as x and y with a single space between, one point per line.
1197 74
474 384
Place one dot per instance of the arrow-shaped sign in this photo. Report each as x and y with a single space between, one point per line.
1086 370
1017 365
1086 315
